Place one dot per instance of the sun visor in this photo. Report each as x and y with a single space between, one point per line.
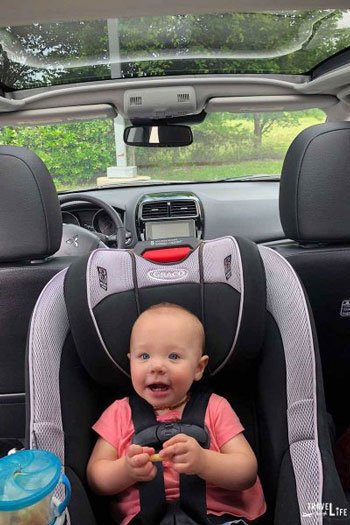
269 103
57 115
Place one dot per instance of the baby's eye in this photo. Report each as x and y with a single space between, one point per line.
144 356
174 356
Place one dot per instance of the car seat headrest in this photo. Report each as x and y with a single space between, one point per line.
106 291
30 216
315 184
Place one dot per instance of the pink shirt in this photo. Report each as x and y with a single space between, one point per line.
115 426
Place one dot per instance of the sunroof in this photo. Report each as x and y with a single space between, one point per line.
285 42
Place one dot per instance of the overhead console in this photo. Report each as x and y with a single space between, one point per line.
168 224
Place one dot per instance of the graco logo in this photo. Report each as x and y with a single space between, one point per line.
168 275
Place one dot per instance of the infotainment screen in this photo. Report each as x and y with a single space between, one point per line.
169 229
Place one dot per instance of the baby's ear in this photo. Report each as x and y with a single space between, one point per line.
128 356
202 363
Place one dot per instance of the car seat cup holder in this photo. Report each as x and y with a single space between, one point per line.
28 479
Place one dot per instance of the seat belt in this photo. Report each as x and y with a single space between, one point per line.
192 504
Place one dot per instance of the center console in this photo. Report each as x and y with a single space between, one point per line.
171 222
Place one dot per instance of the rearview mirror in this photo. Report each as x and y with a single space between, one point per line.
158 136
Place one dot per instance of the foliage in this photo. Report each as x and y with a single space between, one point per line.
273 42
77 153
74 153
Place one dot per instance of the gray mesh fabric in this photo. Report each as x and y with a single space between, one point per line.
117 277
49 328
118 268
286 302
214 253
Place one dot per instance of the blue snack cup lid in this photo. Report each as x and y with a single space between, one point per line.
27 477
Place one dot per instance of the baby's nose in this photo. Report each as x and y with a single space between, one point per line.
158 366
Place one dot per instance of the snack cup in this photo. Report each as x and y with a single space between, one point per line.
28 480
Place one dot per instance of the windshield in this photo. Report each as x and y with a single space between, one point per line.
226 145
285 42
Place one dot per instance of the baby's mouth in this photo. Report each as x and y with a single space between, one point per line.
158 387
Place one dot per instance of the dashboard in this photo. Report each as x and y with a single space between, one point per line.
200 210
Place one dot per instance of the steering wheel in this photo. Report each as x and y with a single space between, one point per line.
77 240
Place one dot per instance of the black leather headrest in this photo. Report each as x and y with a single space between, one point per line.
30 216
315 185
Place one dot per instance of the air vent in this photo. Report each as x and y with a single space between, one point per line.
183 97
154 210
183 208
135 101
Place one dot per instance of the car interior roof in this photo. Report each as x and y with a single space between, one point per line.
15 12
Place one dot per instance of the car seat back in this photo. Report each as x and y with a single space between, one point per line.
315 213
30 232
77 363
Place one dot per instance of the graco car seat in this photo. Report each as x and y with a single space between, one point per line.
263 359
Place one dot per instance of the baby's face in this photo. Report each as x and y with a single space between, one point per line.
165 356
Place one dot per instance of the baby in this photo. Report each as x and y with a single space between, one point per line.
166 357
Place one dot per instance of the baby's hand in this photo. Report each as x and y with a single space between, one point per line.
139 464
185 454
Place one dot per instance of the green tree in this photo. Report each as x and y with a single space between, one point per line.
57 53
263 123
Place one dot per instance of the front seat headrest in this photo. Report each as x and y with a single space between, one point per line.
315 185
30 215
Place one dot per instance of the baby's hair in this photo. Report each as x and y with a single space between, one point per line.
178 308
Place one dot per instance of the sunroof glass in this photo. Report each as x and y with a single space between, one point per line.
285 42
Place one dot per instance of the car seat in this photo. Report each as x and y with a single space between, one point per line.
263 358
30 232
315 213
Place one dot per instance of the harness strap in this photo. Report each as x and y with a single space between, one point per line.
152 493
192 488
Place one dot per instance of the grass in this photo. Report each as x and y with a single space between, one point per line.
203 173
215 171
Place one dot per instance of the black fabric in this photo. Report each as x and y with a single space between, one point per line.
286 509
192 504
116 314
30 215
271 400
315 185
221 306
332 488
82 402
251 333
12 417
143 416
193 488
8 444
80 510
92 354
115 317
217 303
